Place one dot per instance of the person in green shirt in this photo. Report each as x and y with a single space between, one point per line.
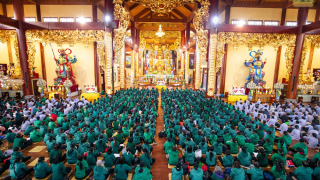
173 156
241 139
234 148
35 135
109 158
196 173
301 144
316 172
304 172
51 125
211 157
83 146
82 168
237 173
189 156
168 145
10 136
43 129
115 125
16 153
72 154
21 142
278 170
227 160
218 146
92 157
121 170
50 144
137 137
128 157
146 158
101 144
244 157
299 157
58 169
37 123
100 172
57 152
262 158
131 145
268 146
142 173
125 131
109 131
177 172
287 138
29 129
119 137
148 136
19 170
255 172
41 170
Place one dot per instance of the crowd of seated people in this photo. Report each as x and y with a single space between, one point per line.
108 137
225 141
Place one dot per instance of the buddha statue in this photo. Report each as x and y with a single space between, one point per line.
168 66
306 78
159 65
150 68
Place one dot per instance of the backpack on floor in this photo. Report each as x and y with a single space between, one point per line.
227 170
162 134
268 176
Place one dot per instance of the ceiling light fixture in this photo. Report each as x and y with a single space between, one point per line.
160 33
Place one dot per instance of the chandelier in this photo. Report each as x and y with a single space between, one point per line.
160 33
163 6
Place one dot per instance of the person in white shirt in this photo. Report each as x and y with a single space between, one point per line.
33 119
283 127
24 125
255 114
295 134
42 116
272 121
310 117
312 141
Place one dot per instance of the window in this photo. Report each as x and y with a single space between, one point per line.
50 19
309 22
291 23
271 23
66 19
238 22
255 22
30 19
83 19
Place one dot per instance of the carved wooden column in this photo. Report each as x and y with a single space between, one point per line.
22 42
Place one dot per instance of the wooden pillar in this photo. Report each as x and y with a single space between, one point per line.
213 10
95 52
22 43
223 69
109 9
188 34
293 80
183 40
38 12
4 8
283 16
278 57
312 45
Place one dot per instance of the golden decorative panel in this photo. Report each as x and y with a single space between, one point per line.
260 40
212 64
4 37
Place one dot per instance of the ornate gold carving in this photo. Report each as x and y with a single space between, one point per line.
186 74
163 6
212 64
314 40
61 37
4 37
122 16
257 39
108 58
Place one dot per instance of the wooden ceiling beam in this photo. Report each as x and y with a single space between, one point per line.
179 14
101 8
256 29
33 1
311 28
159 20
133 6
195 8
187 7
126 7
144 11
65 26
172 15
4 20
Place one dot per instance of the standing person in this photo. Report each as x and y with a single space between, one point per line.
58 169
100 172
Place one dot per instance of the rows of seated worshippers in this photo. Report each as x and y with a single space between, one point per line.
108 137
238 141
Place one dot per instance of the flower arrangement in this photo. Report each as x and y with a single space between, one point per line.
41 83
67 83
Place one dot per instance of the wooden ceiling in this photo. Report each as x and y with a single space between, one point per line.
176 20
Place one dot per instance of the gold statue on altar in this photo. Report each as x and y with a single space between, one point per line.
159 65
306 78
150 68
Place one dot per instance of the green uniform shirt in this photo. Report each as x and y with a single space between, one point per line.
17 169
100 172
81 173
18 142
276 174
173 157
237 174
10 137
256 173
196 174
35 136
211 161
227 161
41 169
72 157
244 158
189 157
109 160
58 171
121 171
144 175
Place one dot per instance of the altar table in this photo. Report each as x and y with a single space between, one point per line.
263 97
159 87
90 96
234 98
